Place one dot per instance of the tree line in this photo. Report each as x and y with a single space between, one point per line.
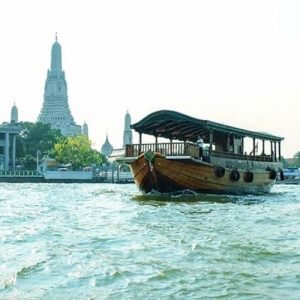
38 137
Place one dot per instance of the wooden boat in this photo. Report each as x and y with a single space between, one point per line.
220 166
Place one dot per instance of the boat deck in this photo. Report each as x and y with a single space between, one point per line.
188 150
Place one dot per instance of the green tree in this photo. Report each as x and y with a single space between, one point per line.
284 162
78 152
296 162
35 137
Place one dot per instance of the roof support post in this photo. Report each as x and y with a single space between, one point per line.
279 150
272 151
242 146
253 147
171 147
228 142
275 151
156 148
140 143
211 138
263 147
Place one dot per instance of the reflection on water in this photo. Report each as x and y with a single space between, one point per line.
108 241
188 196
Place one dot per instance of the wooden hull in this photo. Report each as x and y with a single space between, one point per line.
157 173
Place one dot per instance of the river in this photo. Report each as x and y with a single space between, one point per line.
107 241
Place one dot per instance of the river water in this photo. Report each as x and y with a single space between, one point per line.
107 241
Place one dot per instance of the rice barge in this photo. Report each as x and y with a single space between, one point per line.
202 156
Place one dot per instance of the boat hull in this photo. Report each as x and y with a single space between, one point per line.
154 172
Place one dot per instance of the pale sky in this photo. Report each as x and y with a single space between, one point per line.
232 62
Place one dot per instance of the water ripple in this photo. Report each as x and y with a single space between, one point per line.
107 241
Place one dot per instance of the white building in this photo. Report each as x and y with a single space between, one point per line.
8 134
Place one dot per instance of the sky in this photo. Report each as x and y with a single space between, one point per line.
232 62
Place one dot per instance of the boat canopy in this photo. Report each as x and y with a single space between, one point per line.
177 126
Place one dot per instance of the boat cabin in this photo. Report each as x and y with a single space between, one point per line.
181 135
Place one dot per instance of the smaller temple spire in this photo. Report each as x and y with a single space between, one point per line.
127 134
85 129
107 148
14 114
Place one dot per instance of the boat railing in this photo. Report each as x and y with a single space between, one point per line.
168 149
188 149
266 158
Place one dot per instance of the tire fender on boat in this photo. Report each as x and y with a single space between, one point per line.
272 174
219 171
281 175
248 176
234 175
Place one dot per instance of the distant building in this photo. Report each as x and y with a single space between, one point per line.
14 114
8 133
55 110
85 129
106 148
127 135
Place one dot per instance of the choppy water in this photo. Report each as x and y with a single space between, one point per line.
102 241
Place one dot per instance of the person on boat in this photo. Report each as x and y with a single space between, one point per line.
200 145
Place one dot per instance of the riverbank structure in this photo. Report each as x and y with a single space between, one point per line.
8 134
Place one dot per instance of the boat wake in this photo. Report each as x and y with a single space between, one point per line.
192 197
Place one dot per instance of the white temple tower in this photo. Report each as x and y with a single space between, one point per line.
14 114
55 110
127 135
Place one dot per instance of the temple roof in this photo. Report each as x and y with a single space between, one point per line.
174 125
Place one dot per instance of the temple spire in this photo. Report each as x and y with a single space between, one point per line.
56 65
127 134
14 114
55 110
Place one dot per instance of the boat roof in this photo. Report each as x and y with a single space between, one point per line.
174 125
